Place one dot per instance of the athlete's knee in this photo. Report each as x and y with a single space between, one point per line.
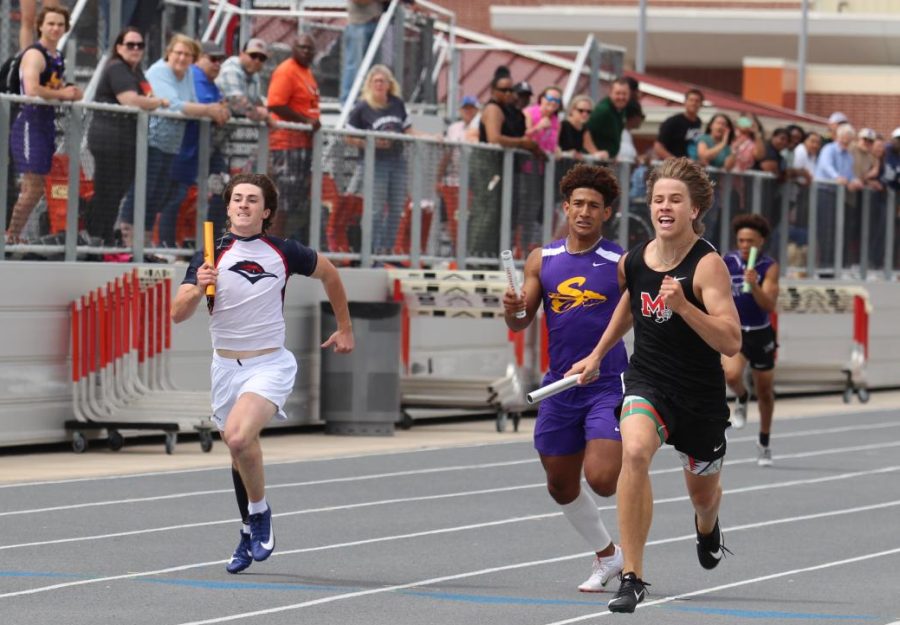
706 498
602 480
636 455
238 441
561 490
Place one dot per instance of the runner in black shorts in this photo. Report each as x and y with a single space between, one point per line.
754 307
678 299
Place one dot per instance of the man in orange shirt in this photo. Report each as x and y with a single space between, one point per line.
293 97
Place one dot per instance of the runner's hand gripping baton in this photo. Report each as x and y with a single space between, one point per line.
751 263
551 389
512 277
209 257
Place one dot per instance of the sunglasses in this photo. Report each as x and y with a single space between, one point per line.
555 100
216 59
134 45
583 110
256 56
505 89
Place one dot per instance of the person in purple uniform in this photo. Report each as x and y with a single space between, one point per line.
758 346
252 372
576 280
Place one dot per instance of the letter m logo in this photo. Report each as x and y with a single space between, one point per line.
654 307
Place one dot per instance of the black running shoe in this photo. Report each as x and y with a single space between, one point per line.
631 592
710 548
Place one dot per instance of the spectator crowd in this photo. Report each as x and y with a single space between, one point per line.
198 80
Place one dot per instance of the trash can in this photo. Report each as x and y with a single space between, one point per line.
360 391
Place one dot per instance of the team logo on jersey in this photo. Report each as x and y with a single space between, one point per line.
251 270
569 295
655 308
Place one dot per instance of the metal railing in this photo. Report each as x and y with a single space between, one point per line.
370 198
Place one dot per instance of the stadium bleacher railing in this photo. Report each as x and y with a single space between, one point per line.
383 198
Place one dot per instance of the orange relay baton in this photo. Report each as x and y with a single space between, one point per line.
209 257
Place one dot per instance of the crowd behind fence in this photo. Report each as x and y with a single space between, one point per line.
400 199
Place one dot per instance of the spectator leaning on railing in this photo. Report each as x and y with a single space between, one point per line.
681 129
240 84
112 136
170 79
891 175
571 129
186 163
293 97
603 131
33 136
713 147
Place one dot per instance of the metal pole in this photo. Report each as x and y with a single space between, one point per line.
453 82
785 224
865 227
840 208
462 208
315 192
204 144
890 211
594 76
812 224
639 61
549 199
368 206
140 188
624 174
73 147
725 211
203 20
801 57
415 225
506 201
246 5
5 120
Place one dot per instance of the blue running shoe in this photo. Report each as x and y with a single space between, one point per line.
242 557
262 535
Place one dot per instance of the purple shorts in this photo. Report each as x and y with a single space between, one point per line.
566 421
33 141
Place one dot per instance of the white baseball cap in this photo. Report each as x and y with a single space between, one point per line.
896 133
838 118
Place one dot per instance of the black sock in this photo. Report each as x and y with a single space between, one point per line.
743 398
240 493
764 439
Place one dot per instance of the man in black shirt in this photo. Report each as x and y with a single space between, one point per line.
677 132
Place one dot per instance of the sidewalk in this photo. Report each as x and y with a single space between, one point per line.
284 447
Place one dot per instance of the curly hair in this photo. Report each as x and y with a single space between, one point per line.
265 184
694 177
754 222
584 176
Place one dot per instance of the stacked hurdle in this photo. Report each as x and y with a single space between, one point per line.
454 294
121 379
830 300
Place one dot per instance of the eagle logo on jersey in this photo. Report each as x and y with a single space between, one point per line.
569 295
251 270
655 308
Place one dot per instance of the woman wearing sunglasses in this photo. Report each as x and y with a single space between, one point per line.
571 129
542 119
112 136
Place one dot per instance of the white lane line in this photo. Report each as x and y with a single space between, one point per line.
490 491
741 439
446 578
743 582
461 528
416 472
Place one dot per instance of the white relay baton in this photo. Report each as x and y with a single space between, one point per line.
512 277
551 389
751 263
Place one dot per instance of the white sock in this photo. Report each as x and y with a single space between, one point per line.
584 516
256 507
245 528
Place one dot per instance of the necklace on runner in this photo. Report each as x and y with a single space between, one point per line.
584 251
666 263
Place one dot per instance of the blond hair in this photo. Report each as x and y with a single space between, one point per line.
188 41
694 177
578 99
368 96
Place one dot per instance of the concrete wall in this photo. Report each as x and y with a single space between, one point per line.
35 387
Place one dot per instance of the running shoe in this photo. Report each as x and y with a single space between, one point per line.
603 570
262 535
631 592
710 548
739 415
764 459
242 556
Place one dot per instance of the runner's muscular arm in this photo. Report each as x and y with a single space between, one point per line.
189 295
619 325
531 295
719 326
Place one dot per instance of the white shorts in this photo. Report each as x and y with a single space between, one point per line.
270 376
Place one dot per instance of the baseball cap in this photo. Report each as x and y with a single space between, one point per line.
868 133
838 118
257 45
744 122
523 87
469 100
896 133
211 48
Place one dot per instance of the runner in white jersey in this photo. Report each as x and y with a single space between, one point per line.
252 372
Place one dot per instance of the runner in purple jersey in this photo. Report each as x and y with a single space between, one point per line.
758 344
576 279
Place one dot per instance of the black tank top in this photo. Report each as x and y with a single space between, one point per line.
666 348
512 126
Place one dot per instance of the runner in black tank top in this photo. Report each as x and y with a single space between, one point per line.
679 303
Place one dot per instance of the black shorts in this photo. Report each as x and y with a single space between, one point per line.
695 422
758 347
